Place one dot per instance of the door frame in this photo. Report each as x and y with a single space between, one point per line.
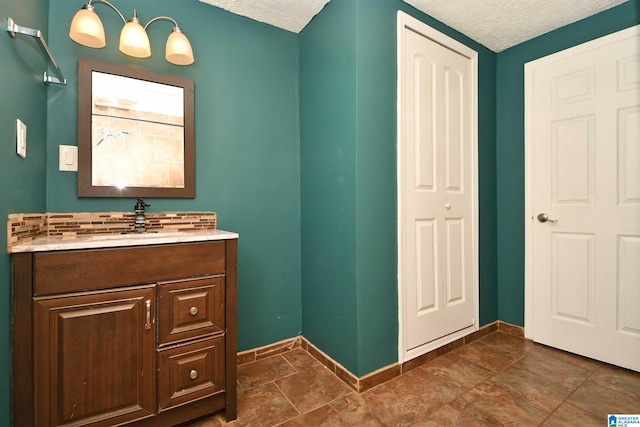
404 20
529 214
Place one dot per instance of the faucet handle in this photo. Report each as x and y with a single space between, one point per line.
140 205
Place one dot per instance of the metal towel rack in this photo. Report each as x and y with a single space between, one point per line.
12 29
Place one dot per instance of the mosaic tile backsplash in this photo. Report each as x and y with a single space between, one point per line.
28 227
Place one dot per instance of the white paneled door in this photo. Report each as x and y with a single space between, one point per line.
583 185
437 188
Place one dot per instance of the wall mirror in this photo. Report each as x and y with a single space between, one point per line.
135 132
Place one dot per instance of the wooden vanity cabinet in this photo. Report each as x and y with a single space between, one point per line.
142 334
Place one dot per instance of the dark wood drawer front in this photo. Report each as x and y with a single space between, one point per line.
89 269
189 372
190 308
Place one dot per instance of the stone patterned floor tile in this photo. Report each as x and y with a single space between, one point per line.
426 388
509 343
467 374
312 388
263 371
324 416
393 408
263 406
568 415
355 410
599 401
554 369
618 379
498 380
498 405
574 359
300 359
448 416
485 355
541 392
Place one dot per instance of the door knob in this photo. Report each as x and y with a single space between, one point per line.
543 217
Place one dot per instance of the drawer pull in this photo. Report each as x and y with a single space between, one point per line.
193 374
193 311
147 325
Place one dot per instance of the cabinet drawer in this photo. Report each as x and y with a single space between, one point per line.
190 308
88 269
190 371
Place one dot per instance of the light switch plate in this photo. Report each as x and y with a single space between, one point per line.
21 139
68 158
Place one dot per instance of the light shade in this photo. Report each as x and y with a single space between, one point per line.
86 28
178 50
134 40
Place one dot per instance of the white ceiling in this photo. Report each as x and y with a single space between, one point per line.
496 24
292 15
500 24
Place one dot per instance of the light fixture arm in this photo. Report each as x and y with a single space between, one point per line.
157 18
108 4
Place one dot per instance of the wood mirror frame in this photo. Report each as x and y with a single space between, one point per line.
86 187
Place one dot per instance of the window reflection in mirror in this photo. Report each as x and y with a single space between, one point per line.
137 133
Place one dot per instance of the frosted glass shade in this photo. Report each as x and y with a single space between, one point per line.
178 50
87 30
134 40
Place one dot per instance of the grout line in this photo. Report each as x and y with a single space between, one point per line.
288 400
289 363
568 397
532 349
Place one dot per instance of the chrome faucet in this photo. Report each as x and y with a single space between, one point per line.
139 225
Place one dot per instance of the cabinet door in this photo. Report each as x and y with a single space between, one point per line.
94 357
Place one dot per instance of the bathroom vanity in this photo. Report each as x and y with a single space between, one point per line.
124 329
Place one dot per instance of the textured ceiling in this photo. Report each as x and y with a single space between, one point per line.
500 24
496 24
290 15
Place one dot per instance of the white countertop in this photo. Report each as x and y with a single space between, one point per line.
57 243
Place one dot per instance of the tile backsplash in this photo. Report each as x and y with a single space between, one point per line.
26 227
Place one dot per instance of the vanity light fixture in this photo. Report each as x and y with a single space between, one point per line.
87 30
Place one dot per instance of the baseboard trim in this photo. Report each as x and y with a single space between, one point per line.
382 375
511 329
263 352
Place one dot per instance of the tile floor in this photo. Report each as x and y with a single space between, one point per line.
498 380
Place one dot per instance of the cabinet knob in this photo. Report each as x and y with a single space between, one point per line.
193 374
193 311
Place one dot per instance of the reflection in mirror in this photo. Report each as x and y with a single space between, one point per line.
137 133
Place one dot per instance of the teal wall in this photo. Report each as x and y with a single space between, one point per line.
510 143
247 149
22 181
328 181
348 180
